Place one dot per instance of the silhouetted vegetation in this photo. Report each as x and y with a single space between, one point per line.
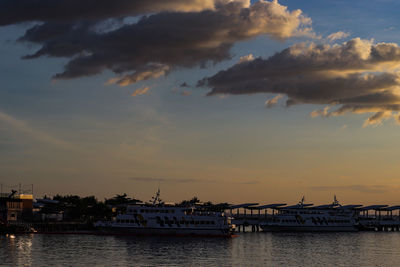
77 208
195 200
89 209
120 200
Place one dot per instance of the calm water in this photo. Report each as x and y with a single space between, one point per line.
249 249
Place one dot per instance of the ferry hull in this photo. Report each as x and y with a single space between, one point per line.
164 231
288 228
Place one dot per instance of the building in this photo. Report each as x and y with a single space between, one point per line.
27 206
15 207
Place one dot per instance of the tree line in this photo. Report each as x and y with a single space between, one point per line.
90 209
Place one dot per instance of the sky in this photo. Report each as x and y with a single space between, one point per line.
229 101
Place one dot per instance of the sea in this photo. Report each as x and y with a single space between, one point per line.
245 249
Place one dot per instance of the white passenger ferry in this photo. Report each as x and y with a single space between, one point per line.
306 217
163 219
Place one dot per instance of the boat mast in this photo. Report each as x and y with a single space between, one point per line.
156 198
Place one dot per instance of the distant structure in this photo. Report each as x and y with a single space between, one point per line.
15 205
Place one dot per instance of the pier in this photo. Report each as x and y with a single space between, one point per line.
370 218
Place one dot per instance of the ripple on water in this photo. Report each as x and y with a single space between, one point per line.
249 249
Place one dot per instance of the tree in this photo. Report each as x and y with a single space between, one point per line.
195 200
120 199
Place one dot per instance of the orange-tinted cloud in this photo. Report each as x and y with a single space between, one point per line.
141 91
357 76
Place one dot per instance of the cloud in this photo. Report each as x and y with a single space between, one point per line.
184 84
378 118
161 42
152 71
167 180
246 58
141 91
357 76
41 136
186 93
373 189
250 182
273 101
337 35
16 11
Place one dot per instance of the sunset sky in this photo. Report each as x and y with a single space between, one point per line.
226 100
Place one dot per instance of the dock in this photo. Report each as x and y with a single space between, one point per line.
370 218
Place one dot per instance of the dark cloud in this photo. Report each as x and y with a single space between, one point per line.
357 76
167 180
250 182
16 11
359 188
158 43
184 84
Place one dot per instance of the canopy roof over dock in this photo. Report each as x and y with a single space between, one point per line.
372 207
391 208
244 205
351 206
327 206
269 206
297 206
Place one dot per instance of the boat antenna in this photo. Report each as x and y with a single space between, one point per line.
302 201
156 198
335 201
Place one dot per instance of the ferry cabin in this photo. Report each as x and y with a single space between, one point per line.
164 216
314 216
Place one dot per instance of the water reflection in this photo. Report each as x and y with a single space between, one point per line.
16 250
272 249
